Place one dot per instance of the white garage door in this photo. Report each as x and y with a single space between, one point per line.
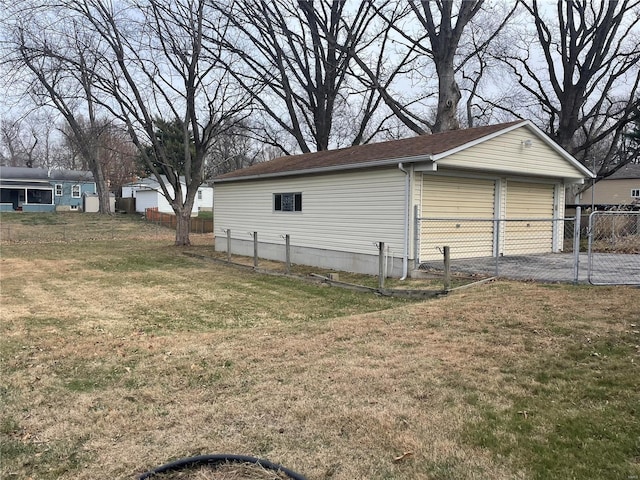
458 213
528 228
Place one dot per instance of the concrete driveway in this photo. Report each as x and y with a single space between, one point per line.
605 268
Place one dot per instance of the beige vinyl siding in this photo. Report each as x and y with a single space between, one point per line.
523 232
615 191
468 204
347 211
507 153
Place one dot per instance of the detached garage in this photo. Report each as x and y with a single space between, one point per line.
486 191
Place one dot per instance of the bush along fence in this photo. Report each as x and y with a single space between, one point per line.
198 225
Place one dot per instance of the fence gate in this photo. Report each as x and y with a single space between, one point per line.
614 248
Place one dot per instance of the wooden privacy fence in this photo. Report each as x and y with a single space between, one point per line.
198 225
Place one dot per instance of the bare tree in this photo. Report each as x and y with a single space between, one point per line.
117 154
18 142
295 57
57 65
234 149
142 61
579 72
441 42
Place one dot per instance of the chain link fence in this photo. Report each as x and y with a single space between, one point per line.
606 251
614 248
544 249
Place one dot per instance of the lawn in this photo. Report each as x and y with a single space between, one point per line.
119 354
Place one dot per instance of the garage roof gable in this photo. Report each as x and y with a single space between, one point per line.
422 148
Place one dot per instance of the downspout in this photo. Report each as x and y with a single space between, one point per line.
405 248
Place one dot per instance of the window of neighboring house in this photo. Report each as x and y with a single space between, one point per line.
287 202
75 191
199 194
59 190
635 192
39 196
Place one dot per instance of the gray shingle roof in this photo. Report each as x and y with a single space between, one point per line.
25 173
631 170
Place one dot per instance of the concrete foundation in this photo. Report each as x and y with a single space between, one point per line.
315 257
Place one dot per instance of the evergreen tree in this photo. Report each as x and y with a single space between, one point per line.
170 135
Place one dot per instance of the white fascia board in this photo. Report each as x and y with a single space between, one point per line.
539 133
335 168
426 167
574 181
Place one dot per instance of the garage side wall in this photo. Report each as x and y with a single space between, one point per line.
343 216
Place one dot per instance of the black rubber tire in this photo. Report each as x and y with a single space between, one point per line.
215 460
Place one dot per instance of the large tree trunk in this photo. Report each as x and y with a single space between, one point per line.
183 228
448 98
102 189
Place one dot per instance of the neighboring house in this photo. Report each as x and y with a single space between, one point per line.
336 205
621 188
148 194
43 190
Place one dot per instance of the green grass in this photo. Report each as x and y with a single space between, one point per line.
576 414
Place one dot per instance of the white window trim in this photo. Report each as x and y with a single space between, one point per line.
635 193
73 188
61 187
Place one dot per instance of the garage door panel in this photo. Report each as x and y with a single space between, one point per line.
466 200
528 228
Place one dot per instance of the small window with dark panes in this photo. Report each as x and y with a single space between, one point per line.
287 202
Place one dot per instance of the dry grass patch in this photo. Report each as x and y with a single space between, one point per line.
135 355
228 471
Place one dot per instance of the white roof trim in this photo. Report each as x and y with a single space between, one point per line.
539 133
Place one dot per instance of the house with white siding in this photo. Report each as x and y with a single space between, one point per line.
337 205
148 194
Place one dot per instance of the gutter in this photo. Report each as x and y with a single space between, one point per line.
333 168
405 247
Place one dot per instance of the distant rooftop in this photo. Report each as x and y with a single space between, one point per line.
25 173
631 170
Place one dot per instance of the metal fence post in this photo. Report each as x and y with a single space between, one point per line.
498 239
590 245
287 246
447 268
576 245
255 249
381 265
416 237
